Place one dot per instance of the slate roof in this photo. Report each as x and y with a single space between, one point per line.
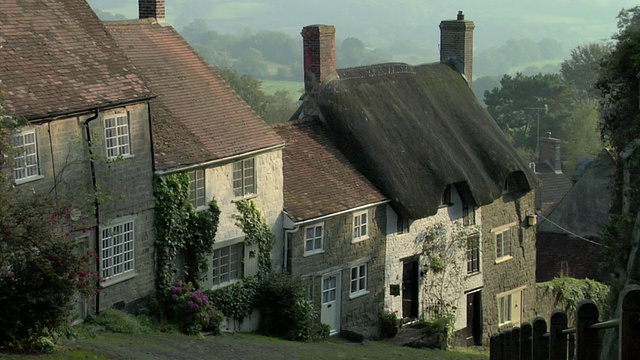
318 178
57 58
584 210
197 117
554 187
412 130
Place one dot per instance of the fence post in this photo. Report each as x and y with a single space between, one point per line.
495 348
525 341
506 344
557 340
515 344
588 339
629 345
539 344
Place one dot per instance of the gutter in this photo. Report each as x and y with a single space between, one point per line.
62 114
218 161
96 203
323 217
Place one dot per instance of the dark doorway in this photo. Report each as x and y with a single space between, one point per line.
410 288
474 318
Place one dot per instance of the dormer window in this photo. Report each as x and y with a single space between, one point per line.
510 184
446 196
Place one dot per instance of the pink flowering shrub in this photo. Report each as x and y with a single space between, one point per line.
191 310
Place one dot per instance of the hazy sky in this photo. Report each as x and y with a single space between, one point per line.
377 22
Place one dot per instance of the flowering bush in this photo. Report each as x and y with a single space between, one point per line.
190 309
389 322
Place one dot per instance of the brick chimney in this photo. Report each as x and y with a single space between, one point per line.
151 9
550 152
456 44
319 47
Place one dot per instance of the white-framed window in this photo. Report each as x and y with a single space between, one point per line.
503 244
117 249
358 283
116 135
504 309
25 160
510 307
360 226
473 254
244 177
313 239
468 214
196 189
227 264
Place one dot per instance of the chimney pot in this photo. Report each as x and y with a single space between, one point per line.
456 45
319 47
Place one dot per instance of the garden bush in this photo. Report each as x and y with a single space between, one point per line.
190 309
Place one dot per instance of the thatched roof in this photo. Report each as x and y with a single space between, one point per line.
413 130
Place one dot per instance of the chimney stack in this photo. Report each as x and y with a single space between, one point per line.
550 152
152 9
456 44
319 46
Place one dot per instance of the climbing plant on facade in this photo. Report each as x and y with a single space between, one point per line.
179 228
257 231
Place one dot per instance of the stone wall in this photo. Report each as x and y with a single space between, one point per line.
358 314
269 200
125 192
511 273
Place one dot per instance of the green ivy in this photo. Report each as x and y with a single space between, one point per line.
257 231
179 228
570 292
236 300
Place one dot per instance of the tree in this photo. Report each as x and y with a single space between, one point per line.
581 71
248 88
520 102
41 266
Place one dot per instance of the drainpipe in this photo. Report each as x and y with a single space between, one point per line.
286 246
96 203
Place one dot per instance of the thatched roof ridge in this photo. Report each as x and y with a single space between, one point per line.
414 132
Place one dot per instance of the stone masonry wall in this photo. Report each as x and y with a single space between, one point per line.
518 271
359 314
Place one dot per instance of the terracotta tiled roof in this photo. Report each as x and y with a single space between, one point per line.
318 178
56 58
197 117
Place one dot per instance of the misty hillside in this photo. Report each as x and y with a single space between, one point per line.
381 22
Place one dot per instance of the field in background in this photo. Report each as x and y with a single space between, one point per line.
295 88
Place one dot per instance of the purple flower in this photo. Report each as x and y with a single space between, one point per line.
174 289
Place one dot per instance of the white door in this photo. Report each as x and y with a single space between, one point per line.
330 313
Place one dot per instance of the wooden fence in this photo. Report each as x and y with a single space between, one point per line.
583 342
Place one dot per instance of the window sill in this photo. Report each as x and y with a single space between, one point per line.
358 294
118 279
244 197
225 284
313 252
361 238
29 179
472 274
119 157
503 259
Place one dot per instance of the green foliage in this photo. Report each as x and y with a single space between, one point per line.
521 101
516 53
180 228
580 71
118 322
236 300
284 309
388 322
257 231
570 292
41 267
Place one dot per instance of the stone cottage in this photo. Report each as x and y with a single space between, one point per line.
461 198
88 139
335 229
202 127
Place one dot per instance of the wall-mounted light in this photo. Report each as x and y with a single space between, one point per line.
532 219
